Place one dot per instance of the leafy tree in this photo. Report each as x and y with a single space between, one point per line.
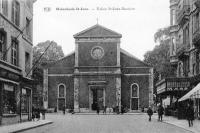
42 55
159 57
53 53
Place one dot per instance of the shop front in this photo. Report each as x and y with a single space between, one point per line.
171 89
15 98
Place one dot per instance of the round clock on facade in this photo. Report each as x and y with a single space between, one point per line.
97 52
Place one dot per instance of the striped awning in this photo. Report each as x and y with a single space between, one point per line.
194 93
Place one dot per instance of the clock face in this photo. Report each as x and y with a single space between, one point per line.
97 52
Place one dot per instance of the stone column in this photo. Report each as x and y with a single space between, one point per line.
76 94
151 87
76 54
118 54
45 88
118 92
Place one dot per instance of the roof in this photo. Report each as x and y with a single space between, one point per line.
97 31
133 57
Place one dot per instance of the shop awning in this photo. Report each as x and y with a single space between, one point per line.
171 85
194 93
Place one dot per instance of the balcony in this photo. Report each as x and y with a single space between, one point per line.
174 28
182 51
196 38
173 85
183 15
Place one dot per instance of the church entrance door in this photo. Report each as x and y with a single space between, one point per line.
98 99
61 103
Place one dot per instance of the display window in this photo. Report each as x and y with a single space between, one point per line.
9 100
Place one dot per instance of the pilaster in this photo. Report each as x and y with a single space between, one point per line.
76 54
45 88
151 86
76 94
118 53
118 92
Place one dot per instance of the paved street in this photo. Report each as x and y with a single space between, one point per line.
105 124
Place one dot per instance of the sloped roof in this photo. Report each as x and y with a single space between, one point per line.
133 57
97 31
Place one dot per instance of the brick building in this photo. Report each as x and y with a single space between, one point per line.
15 60
99 73
184 51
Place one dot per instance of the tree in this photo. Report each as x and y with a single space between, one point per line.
53 53
159 57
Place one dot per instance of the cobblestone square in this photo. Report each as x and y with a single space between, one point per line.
136 123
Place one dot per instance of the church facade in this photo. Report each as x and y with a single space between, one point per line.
99 73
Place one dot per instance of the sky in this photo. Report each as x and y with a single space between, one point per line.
137 24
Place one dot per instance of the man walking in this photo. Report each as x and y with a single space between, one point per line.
150 113
190 115
160 112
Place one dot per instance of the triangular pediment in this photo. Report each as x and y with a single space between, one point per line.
97 31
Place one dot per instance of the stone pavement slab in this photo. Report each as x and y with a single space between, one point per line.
181 123
14 128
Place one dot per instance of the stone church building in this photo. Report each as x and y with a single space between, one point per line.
99 73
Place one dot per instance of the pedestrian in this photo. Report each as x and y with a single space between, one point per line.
97 109
104 109
37 113
63 109
160 112
190 115
33 114
150 113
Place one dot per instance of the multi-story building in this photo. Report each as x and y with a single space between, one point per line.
184 51
15 60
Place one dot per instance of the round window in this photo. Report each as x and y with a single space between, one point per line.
97 52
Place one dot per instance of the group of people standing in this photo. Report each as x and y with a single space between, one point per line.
189 113
160 112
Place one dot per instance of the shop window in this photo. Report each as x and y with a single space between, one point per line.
16 12
9 100
5 7
14 52
25 100
61 91
2 45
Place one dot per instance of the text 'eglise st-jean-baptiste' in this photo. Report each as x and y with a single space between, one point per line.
97 8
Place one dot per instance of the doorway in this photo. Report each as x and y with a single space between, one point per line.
98 99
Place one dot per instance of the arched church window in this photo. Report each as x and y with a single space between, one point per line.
61 91
135 90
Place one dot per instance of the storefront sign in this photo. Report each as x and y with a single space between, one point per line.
8 75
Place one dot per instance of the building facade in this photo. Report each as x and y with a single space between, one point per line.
15 60
184 50
99 73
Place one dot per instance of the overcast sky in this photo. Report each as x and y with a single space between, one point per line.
136 25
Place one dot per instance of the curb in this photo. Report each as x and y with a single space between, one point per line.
21 130
176 126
